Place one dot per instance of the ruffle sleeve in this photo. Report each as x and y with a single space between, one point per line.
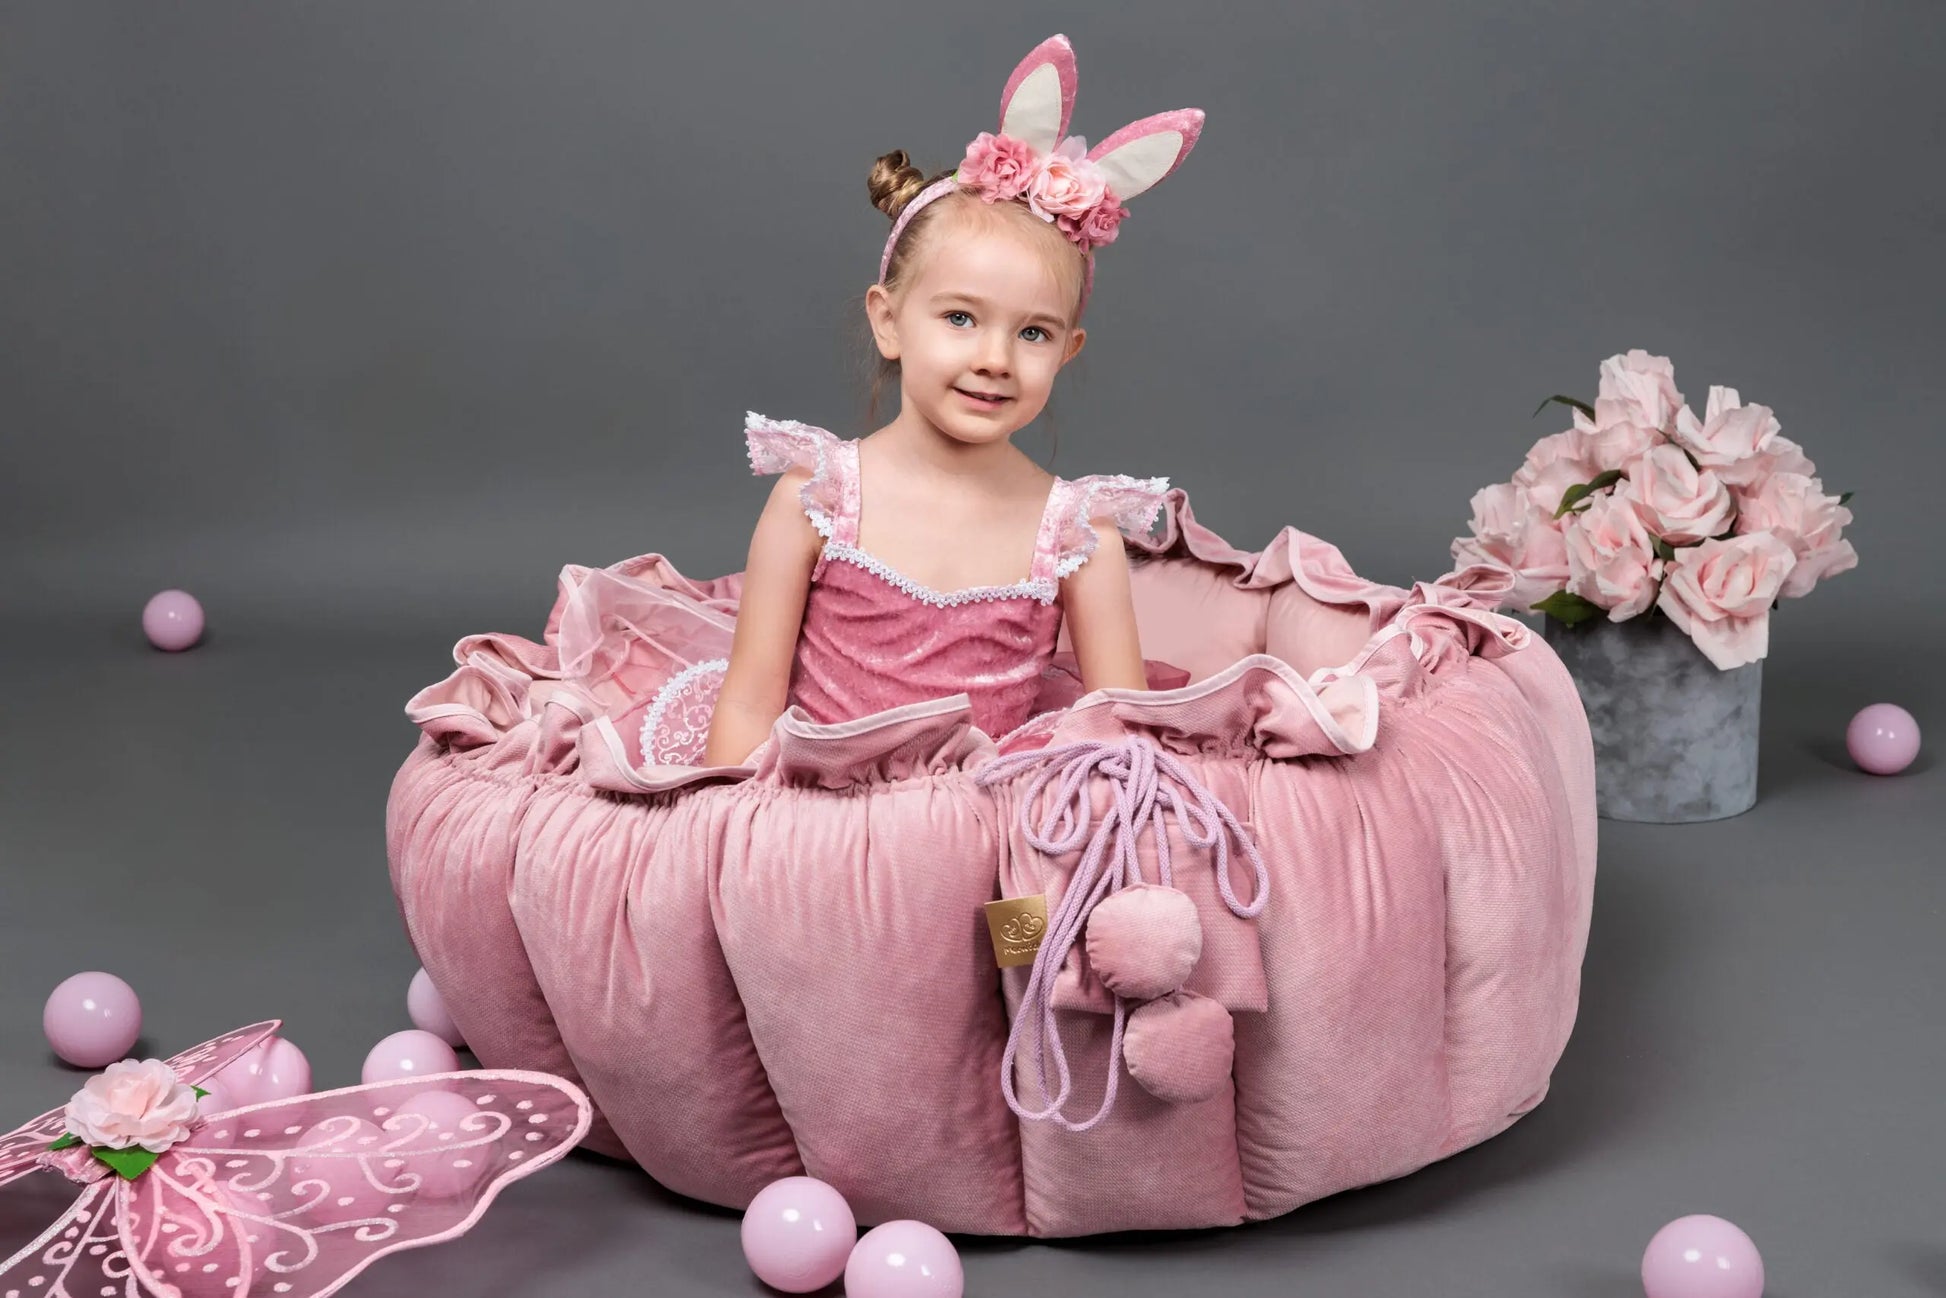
1133 503
778 445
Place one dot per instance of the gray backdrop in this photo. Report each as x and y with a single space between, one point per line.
359 320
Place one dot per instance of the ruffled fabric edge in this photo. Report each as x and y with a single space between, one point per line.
778 445
1133 503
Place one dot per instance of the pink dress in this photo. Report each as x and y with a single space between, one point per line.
873 638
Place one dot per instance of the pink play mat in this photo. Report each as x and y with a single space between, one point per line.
785 967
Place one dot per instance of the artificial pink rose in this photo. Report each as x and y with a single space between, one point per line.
1554 464
133 1104
1720 593
1729 432
1680 502
1612 447
1794 508
1637 388
1098 225
1779 455
1611 556
1065 183
1510 533
998 166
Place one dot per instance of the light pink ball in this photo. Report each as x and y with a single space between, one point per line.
337 1184
446 1175
411 1053
172 620
272 1070
1702 1257
797 1234
427 1010
92 1019
904 1259
1883 738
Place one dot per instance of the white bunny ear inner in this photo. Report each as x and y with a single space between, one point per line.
1134 158
1034 111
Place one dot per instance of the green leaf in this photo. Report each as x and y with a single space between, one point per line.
1582 406
1847 496
1573 495
65 1142
1663 550
200 1092
131 1162
1566 606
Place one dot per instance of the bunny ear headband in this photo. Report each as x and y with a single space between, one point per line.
1062 181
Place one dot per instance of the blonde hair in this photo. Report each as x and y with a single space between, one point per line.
894 182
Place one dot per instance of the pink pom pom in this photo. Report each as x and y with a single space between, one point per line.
1883 738
92 1019
1144 940
411 1053
172 620
797 1234
1180 1048
1702 1257
904 1259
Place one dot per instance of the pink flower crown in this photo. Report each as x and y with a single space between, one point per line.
1032 157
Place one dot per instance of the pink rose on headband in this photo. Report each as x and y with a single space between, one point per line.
998 166
1720 593
1099 225
1065 183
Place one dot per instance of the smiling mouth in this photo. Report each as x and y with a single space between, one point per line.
983 398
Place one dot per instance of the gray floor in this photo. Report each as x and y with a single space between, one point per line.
1760 1034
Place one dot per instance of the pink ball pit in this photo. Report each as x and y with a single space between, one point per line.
782 969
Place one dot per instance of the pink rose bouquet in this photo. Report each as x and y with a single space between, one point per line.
1642 508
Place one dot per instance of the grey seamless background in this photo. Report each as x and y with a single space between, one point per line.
359 320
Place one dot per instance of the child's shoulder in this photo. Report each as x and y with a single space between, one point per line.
1080 504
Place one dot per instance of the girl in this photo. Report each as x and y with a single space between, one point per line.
933 557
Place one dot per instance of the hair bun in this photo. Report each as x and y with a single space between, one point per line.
894 182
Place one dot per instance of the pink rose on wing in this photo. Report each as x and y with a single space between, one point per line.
1680 502
1793 508
1509 532
1720 593
133 1104
998 166
1064 182
1637 388
1729 432
1611 556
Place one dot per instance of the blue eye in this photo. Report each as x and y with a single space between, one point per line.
1037 329
951 314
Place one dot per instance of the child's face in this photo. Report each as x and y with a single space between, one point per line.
985 316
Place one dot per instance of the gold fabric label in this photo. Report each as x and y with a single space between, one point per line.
1016 925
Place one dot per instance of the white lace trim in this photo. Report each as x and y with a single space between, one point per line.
671 689
1040 588
770 461
1132 516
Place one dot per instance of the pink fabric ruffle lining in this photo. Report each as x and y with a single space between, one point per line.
782 968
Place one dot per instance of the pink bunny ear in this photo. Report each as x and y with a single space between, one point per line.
1142 153
20 1147
1039 98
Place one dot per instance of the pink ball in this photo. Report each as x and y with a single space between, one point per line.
273 1070
797 1234
427 1010
337 1184
411 1053
1883 738
172 620
904 1259
215 1099
1702 1257
444 1175
92 1019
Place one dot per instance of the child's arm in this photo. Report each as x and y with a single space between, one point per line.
776 582
1100 611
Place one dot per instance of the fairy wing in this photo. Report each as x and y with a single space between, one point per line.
79 1256
21 1146
292 1198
